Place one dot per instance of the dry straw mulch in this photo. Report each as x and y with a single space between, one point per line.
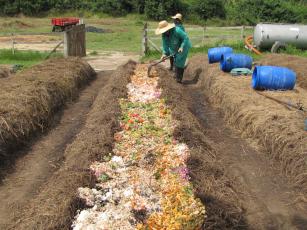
4 72
29 100
57 202
276 127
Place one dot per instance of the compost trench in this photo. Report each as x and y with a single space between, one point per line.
243 181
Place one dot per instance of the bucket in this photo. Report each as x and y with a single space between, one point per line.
232 61
273 78
215 54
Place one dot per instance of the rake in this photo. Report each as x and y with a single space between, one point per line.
156 63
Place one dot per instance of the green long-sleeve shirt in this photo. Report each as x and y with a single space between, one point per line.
177 39
180 26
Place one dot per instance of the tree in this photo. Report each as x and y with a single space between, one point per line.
210 9
161 10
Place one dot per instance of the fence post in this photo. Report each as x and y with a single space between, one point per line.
74 41
145 40
13 44
243 32
204 35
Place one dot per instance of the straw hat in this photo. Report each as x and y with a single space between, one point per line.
177 16
163 27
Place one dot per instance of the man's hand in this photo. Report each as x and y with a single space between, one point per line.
163 56
180 50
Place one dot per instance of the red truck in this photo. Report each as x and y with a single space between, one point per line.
62 24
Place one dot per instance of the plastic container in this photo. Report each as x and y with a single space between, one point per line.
215 54
306 125
273 78
232 61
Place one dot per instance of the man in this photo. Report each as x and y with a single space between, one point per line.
175 43
178 21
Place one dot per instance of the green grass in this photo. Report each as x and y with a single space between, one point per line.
24 58
125 32
125 35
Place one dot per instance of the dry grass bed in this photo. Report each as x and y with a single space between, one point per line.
298 64
216 190
277 128
29 100
4 72
57 201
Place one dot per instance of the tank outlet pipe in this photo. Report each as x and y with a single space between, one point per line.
248 43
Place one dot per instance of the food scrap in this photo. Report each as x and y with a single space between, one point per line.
144 182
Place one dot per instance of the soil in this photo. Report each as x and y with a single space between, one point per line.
238 182
110 60
31 42
55 202
31 39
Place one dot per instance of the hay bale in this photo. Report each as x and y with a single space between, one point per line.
29 100
280 130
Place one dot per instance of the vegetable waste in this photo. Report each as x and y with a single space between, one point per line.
144 183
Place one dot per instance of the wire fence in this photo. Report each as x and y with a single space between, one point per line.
199 36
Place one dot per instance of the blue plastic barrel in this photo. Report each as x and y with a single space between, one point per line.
232 61
273 78
215 54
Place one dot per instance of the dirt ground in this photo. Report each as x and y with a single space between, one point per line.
241 186
31 42
110 60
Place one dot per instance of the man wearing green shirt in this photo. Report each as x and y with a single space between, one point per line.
178 21
175 43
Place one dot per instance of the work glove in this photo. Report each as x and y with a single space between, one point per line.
180 50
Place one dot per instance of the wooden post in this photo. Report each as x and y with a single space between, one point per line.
74 41
54 49
204 35
13 44
154 46
145 40
243 32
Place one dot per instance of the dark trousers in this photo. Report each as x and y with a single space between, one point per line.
171 63
179 74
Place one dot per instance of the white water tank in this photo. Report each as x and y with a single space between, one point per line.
265 35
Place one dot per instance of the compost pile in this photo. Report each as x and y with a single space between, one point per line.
275 126
144 182
29 100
